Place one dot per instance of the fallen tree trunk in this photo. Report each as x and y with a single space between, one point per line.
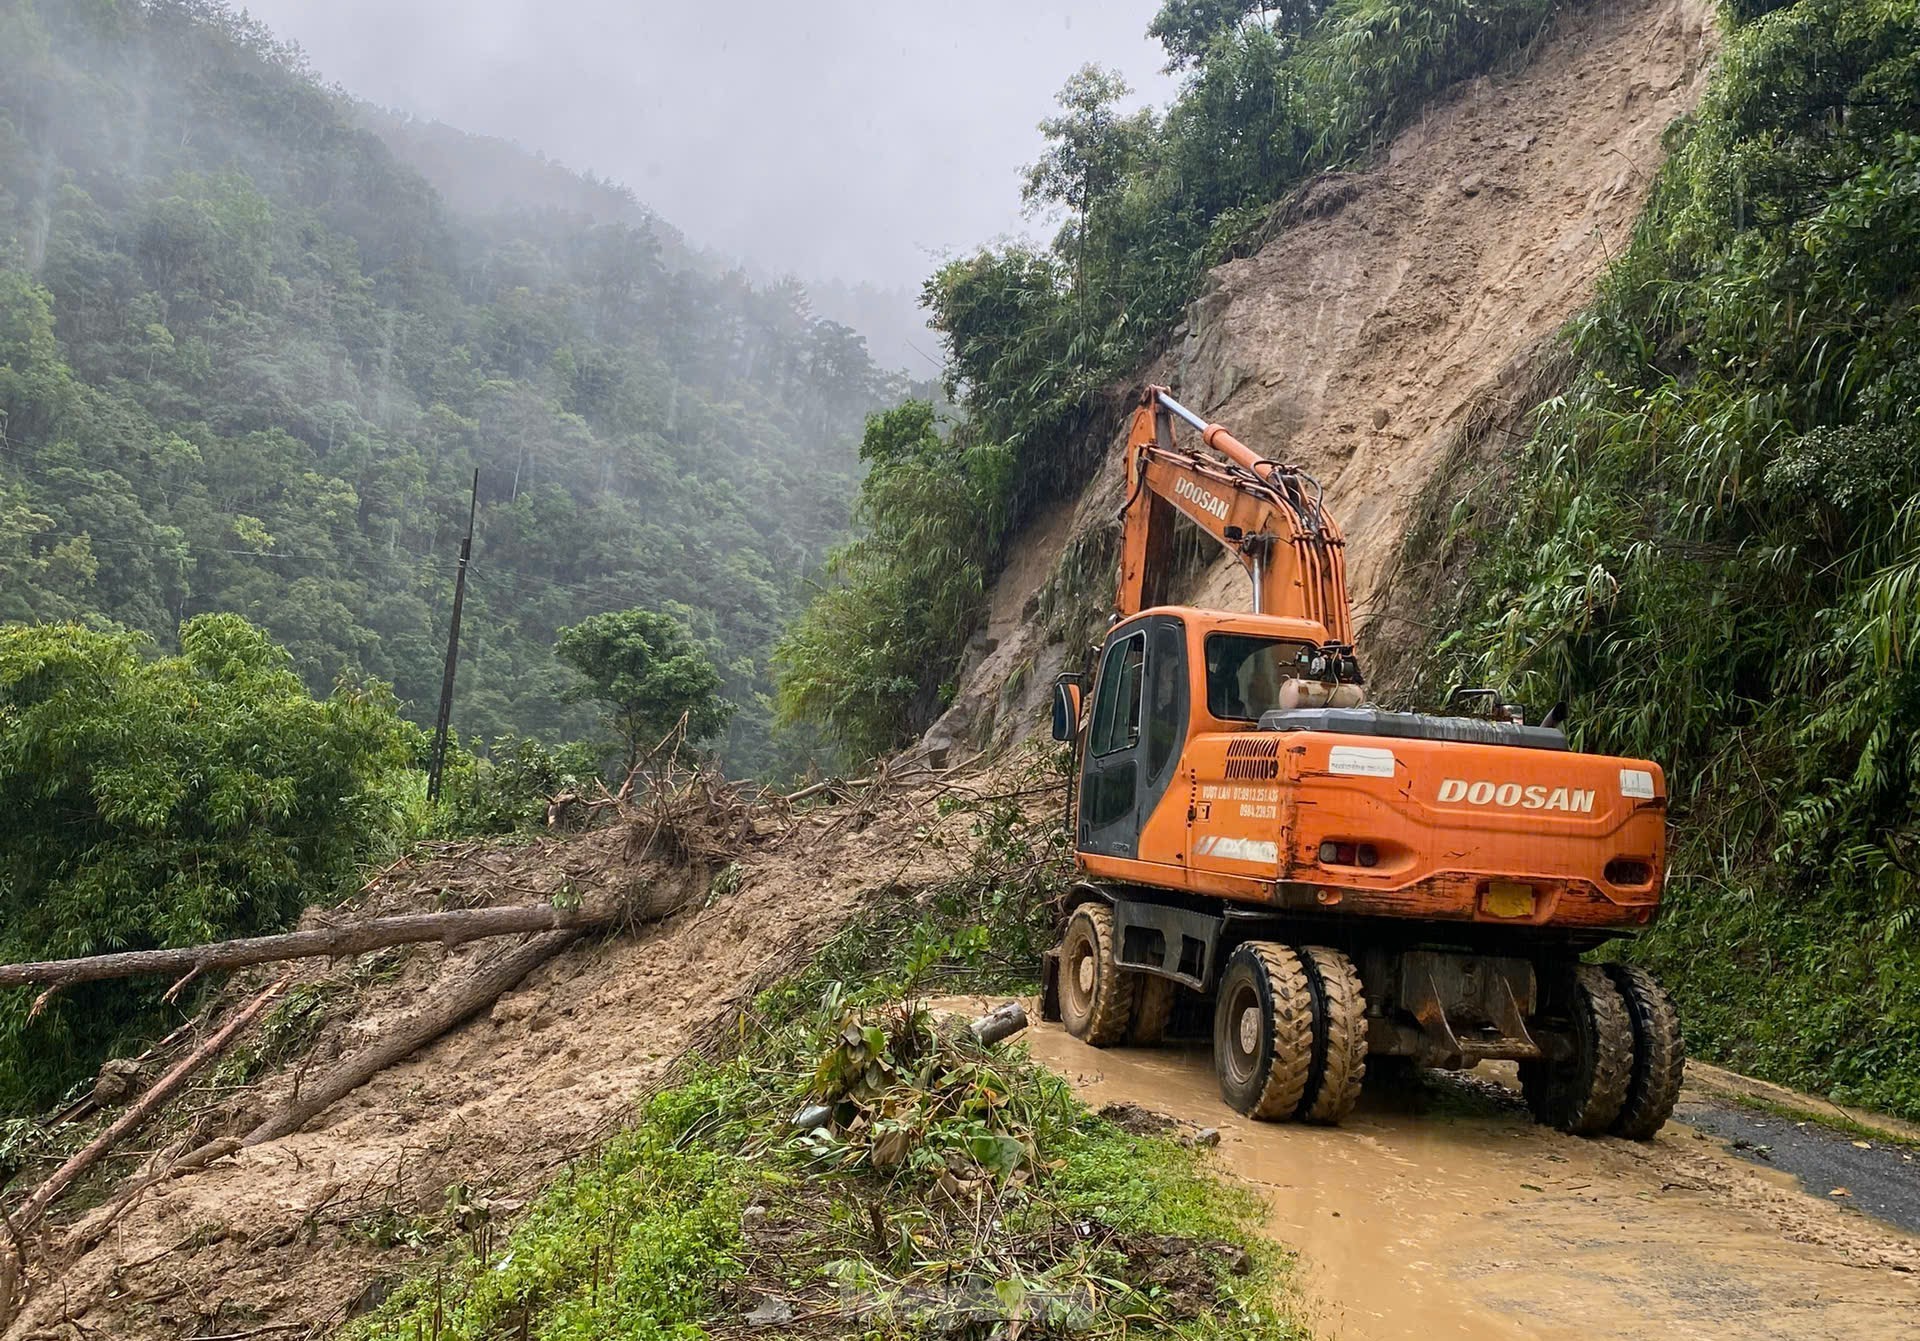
145 1107
450 928
487 984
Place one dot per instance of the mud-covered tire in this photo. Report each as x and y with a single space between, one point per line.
1263 1031
1152 1010
1096 994
1659 1054
1339 1036
1584 1094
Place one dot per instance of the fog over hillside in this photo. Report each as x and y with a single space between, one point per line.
847 144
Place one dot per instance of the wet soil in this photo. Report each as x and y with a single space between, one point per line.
1438 1210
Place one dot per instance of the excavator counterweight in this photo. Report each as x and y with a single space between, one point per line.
1260 846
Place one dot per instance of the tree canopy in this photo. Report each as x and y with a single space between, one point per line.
166 801
250 355
649 675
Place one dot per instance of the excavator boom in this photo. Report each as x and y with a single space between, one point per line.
1269 515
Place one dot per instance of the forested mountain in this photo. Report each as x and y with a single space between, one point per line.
250 357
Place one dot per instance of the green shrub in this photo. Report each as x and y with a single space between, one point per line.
157 802
506 786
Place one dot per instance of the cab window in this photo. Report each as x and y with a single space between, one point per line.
1244 674
1116 712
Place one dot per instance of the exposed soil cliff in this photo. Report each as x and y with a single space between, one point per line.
1397 316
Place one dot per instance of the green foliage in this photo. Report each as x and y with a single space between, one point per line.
249 361
868 657
1188 29
159 802
648 672
1712 545
506 786
1034 337
714 1198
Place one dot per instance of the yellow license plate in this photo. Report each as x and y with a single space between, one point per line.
1507 899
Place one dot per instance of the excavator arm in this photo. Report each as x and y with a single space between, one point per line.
1270 516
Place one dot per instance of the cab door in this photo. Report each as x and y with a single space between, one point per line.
1138 726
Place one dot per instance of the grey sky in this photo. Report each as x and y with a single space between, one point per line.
843 139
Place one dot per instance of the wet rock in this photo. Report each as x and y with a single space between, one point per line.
117 1081
770 1313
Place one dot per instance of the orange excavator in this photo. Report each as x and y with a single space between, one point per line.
1320 881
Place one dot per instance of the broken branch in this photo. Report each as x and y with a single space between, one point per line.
147 1105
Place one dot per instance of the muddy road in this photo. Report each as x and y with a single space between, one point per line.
1440 1212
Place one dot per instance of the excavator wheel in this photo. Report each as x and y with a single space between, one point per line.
1263 1031
1152 1010
1096 994
1584 1094
1659 1054
1339 1036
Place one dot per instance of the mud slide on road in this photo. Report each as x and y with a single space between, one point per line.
1439 1211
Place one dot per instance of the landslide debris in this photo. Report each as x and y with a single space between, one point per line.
1397 320
289 1232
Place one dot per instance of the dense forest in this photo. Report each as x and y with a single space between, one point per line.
255 339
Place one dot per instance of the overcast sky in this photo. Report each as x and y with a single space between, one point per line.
835 139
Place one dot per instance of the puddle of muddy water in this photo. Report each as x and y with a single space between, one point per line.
1441 1213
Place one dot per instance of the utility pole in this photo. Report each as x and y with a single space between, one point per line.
439 758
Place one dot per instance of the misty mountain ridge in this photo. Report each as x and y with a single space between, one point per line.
251 354
490 175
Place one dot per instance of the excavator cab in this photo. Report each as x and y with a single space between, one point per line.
1327 879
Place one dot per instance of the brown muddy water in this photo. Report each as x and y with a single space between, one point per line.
1438 1211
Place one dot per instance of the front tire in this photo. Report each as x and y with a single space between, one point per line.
1096 994
1339 1036
1263 1031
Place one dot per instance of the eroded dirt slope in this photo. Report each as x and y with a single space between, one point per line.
1400 306
288 1235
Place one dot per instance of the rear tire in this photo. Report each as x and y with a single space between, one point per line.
1152 1009
1584 1094
1339 1036
1659 1054
1096 994
1263 1031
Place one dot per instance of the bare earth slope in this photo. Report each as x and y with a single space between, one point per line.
1359 341
286 1235
1406 302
